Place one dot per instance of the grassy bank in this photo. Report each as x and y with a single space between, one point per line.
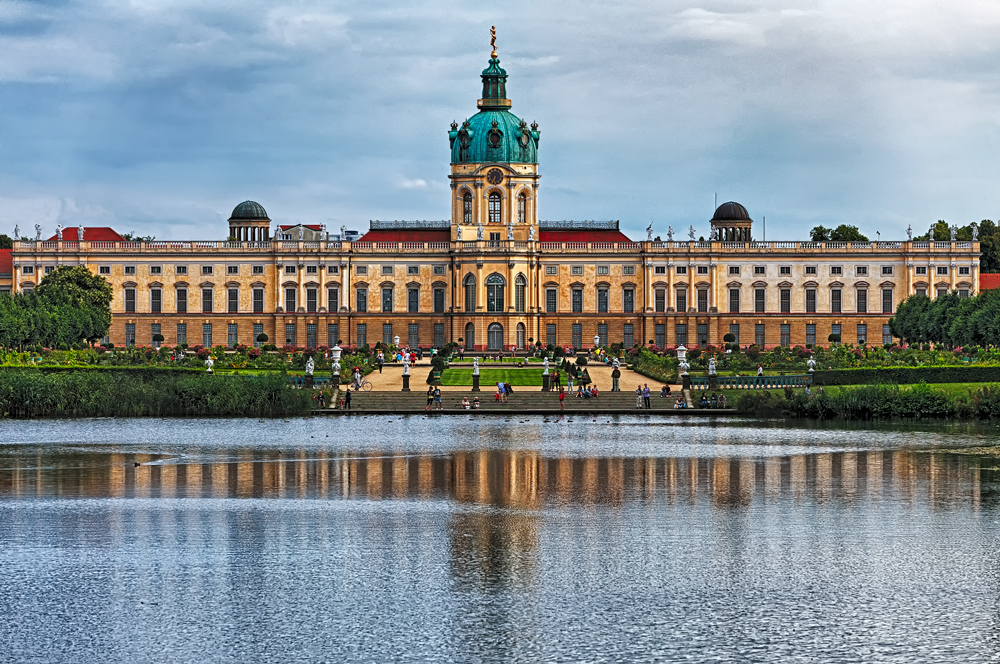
516 377
877 402
28 394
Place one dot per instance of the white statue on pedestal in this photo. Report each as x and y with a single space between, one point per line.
510 232
475 366
38 232
479 231
545 367
691 233
975 232
17 232
954 231
209 363
302 233
458 233
711 367
670 233
531 233
59 232
649 232
406 364
811 364
310 366
909 233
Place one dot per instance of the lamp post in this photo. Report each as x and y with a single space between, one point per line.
395 340
597 341
335 356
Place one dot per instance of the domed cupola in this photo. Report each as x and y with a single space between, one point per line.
494 134
249 223
732 223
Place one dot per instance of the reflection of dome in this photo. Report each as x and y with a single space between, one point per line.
494 134
249 210
731 211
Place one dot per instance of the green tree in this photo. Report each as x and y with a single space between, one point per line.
6 242
820 234
847 233
79 304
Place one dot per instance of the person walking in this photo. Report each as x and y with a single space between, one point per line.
562 399
645 396
615 375
381 361
430 397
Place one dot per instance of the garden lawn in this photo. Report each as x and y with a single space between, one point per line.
514 376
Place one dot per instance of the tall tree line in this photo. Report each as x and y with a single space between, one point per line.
949 319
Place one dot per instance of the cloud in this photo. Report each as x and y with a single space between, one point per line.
415 183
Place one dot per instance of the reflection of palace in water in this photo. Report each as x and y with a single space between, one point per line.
520 480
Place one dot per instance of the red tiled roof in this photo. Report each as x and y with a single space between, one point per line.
419 235
90 234
989 281
314 227
582 236
6 261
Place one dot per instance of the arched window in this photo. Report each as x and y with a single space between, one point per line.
522 204
470 336
470 293
520 336
495 217
467 208
494 293
494 337
519 285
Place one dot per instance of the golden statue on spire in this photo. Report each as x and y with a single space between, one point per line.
493 40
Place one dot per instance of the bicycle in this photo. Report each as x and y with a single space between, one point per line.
364 384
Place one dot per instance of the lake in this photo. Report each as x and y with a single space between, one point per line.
455 538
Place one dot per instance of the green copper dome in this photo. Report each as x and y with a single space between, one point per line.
249 210
494 134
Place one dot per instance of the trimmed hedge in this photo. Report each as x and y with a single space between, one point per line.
145 371
908 375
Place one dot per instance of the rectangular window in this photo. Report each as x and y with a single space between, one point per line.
628 301
438 270
628 335
550 300
836 271
182 333
963 293
681 331
660 269
312 269
861 270
207 295
551 269
130 269
786 300
413 270
258 329
232 335
758 334
785 270
155 269
311 335
494 239
257 269
387 270
734 270
129 300
439 300
129 334
810 269
682 300
887 300
332 334
312 300
207 270
577 300
413 335
603 270
964 271
289 269
681 269
810 334
759 300
886 336
438 335
577 335
660 300
550 334
921 270
412 300
810 300
921 291
387 299
660 338
181 269
258 300
576 270
835 330
702 301
759 270
942 271
836 300
941 292
154 331
156 300
232 269
49 269
233 300
361 270
206 335
361 300
702 334
104 269
602 332
333 300
734 329
290 300
602 300
786 334
628 270
290 334
862 333
862 295
886 270
734 300
387 333
27 269
702 269
362 334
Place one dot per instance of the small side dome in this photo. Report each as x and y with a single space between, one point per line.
731 211
249 210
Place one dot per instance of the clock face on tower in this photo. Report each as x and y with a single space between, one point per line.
494 176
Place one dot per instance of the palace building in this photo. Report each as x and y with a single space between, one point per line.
494 276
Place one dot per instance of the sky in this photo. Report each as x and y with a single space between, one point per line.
159 116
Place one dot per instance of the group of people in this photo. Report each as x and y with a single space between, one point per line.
587 392
717 400
503 391
434 398
642 394
474 405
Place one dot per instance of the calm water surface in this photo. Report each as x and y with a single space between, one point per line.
416 539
